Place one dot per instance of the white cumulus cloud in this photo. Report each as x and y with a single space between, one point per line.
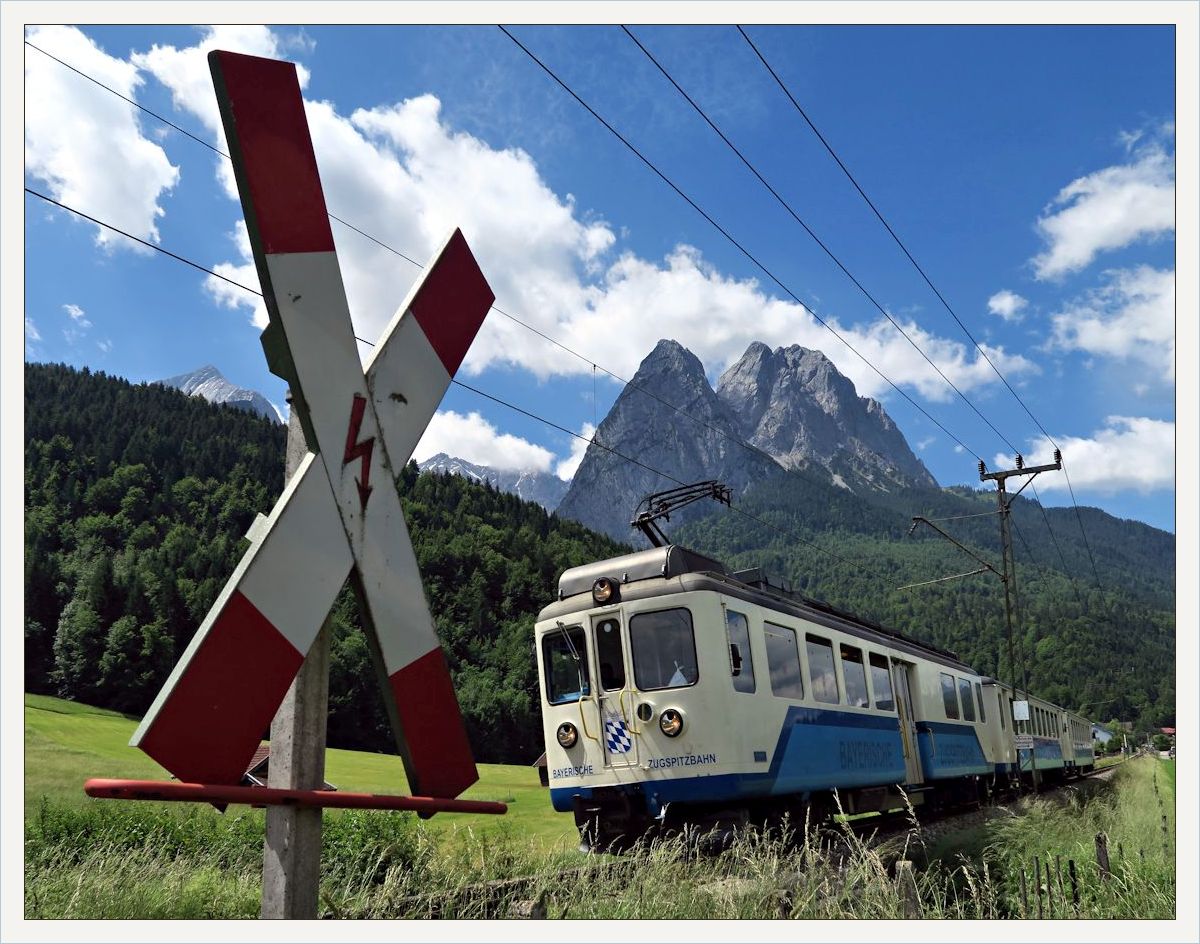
226 286
185 72
85 144
1130 453
1130 318
1008 305
567 467
399 172
1108 209
473 438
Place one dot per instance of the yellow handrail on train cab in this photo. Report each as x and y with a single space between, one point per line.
631 716
583 720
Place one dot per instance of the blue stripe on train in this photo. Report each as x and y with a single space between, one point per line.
817 749
950 750
1046 751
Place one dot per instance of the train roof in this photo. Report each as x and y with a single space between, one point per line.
674 560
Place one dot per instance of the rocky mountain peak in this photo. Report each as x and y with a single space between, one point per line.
788 408
670 419
210 383
545 488
794 404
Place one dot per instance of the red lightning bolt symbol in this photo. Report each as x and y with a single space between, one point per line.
359 450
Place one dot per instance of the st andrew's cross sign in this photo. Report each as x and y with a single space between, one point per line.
340 513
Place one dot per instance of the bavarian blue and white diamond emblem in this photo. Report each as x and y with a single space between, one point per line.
616 735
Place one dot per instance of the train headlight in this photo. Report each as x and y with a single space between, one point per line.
604 591
670 722
566 734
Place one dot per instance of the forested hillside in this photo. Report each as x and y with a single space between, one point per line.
1106 648
136 500
137 497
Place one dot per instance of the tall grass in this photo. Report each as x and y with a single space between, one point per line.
116 861
1135 815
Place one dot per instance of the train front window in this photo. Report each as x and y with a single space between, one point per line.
664 649
564 659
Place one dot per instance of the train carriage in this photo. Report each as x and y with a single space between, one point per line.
675 691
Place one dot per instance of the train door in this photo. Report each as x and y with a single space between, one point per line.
908 727
614 696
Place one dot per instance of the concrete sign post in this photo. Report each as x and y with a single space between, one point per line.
340 512
291 877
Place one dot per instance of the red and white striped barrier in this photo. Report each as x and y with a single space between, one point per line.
340 511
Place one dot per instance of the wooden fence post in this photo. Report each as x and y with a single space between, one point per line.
1074 885
1037 883
1102 856
906 882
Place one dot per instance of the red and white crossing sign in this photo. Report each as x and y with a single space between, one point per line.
340 513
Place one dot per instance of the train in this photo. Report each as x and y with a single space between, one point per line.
678 693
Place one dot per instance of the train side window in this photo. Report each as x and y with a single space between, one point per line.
968 703
881 682
820 669
979 698
783 661
1000 707
741 665
949 696
664 649
855 674
564 660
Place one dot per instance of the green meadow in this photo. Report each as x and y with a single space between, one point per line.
66 743
105 859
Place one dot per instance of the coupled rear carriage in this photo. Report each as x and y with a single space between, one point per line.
675 691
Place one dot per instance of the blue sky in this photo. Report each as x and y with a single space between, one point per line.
1030 170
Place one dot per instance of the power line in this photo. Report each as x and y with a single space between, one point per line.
582 357
817 239
199 140
728 236
888 227
1079 518
498 310
929 282
166 252
195 265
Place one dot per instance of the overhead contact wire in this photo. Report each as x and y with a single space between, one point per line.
817 239
941 298
459 383
733 240
528 327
